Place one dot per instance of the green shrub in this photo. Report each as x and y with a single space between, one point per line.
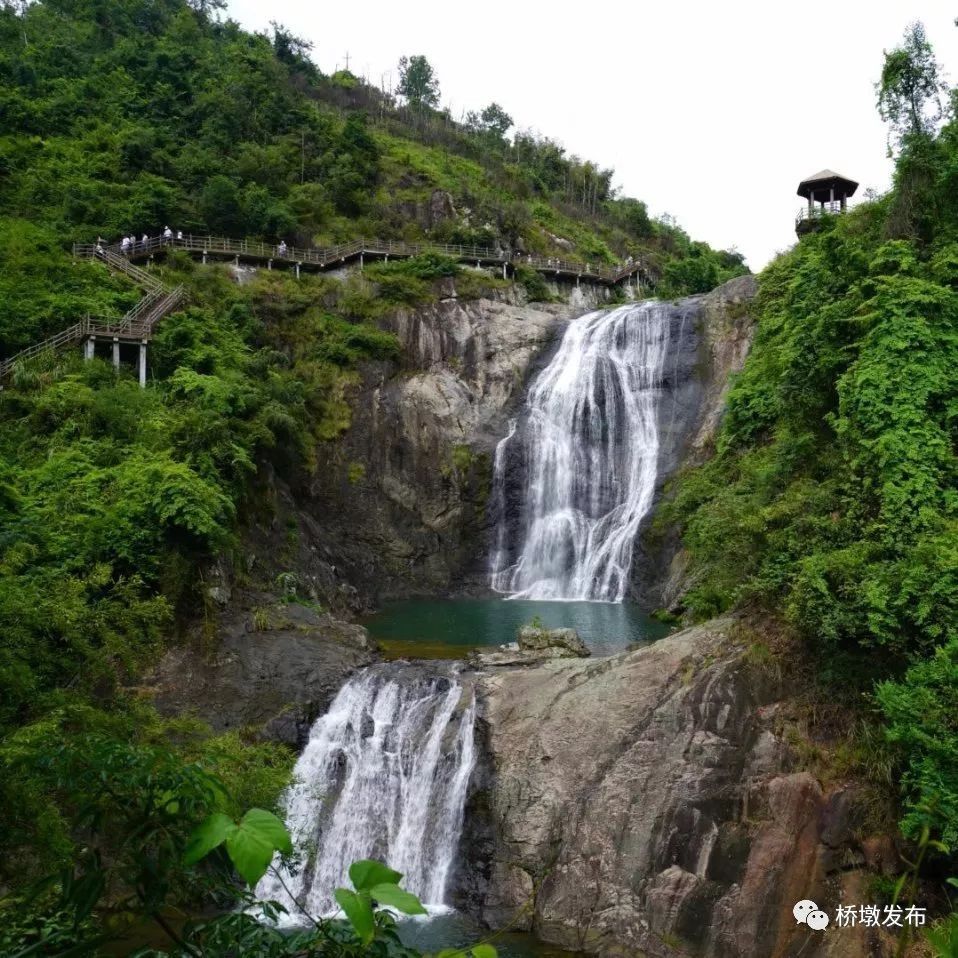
535 286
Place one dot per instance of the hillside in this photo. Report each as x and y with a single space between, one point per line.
127 117
829 509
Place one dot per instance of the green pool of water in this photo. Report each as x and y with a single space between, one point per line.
448 628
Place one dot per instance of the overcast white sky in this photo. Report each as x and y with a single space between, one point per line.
712 112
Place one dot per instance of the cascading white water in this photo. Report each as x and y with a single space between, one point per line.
384 775
589 449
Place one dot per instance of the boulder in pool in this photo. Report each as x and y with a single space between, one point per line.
551 643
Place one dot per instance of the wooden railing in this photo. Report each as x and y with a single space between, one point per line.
331 257
814 212
136 324
159 300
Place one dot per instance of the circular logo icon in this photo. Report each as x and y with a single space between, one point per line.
817 920
803 909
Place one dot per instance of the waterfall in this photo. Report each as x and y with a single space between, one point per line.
585 448
384 775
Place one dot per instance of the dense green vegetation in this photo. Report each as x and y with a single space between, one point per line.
831 501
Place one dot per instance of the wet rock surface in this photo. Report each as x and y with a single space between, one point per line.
272 669
647 805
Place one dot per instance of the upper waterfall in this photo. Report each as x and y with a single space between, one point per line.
384 775
585 450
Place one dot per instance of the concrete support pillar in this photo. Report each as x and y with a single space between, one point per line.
143 365
89 348
360 262
204 257
116 353
269 264
236 259
297 270
576 280
504 274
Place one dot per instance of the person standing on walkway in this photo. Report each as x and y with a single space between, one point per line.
167 235
145 242
125 245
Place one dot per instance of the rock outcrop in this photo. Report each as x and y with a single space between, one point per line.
552 643
534 644
645 804
272 669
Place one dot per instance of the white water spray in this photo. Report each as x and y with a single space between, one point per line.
384 775
589 449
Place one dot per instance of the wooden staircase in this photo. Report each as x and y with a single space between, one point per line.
136 326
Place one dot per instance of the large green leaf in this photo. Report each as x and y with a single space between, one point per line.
207 836
366 873
482 951
253 842
271 827
393 896
359 911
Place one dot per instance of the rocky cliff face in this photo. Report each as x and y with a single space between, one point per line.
273 670
646 804
402 497
710 339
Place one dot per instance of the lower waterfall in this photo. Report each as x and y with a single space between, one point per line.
585 448
384 775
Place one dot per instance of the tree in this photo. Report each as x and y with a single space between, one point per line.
909 93
418 82
496 120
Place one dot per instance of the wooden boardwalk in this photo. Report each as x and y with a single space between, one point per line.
159 300
335 257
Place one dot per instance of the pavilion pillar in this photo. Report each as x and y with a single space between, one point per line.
116 353
831 198
143 365
89 348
